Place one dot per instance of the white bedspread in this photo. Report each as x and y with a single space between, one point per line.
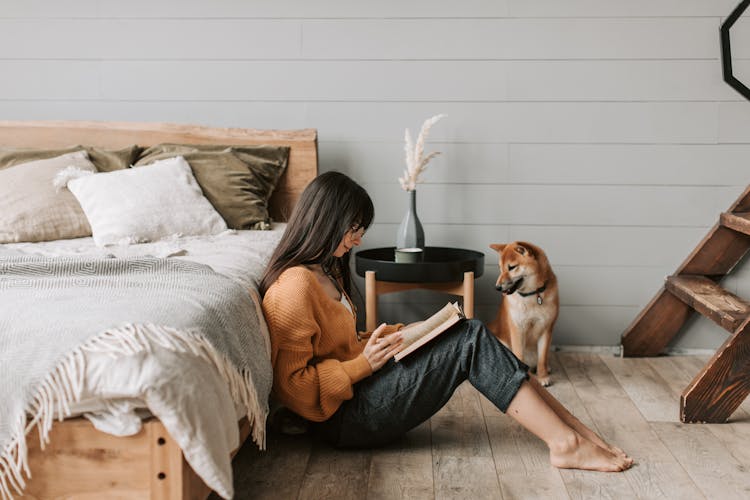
119 392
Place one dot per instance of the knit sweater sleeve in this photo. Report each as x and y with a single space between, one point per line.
311 388
387 330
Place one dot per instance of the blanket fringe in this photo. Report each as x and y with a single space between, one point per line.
64 385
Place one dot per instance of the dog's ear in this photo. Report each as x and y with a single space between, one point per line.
498 247
523 250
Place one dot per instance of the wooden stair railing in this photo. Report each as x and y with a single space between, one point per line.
724 382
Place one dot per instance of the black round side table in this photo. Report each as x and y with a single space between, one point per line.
443 269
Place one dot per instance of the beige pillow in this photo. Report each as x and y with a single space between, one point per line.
105 160
32 209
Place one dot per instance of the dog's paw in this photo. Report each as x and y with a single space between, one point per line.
545 381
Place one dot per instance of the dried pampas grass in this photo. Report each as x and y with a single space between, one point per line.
416 162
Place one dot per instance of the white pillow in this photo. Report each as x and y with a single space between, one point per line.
146 204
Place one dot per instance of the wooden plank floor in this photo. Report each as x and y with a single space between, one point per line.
471 450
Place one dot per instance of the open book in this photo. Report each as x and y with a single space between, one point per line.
418 335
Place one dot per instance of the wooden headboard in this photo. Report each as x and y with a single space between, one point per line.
303 159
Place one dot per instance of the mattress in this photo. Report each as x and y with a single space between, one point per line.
120 391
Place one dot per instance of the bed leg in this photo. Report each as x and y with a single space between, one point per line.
167 474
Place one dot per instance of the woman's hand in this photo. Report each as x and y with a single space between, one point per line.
380 349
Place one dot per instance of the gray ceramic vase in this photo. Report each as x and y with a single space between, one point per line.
410 232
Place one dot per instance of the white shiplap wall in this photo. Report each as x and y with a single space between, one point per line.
601 130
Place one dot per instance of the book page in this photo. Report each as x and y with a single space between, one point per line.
413 333
418 335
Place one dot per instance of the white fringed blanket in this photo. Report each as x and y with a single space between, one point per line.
54 310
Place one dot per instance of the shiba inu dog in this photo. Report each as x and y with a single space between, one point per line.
530 302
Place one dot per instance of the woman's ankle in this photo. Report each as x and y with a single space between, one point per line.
565 443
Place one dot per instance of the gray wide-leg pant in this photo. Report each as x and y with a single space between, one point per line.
402 395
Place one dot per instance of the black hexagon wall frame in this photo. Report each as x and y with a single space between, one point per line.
726 50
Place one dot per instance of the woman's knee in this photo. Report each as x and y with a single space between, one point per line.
475 323
479 334
473 333
477 328
462 341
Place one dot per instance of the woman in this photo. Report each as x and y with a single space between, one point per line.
347 383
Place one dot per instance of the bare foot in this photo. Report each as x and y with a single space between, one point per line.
618 451
577 452
592 436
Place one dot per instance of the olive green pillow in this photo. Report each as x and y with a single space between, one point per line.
237 180
105 160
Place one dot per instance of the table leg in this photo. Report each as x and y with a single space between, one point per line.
469 294
371 300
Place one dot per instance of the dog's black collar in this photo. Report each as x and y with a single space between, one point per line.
537 292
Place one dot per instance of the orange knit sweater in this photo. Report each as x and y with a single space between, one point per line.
315 352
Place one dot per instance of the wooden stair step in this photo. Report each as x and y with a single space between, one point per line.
716 255
709 299
723 384
739 222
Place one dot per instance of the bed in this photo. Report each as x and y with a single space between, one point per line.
80 461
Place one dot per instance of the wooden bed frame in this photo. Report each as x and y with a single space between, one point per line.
81 462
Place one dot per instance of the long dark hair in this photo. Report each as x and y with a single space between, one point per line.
330 205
